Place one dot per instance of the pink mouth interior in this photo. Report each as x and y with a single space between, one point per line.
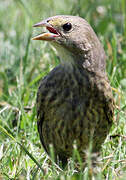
52 30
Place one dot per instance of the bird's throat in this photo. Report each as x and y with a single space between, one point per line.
66 57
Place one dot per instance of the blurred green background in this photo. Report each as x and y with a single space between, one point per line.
24 62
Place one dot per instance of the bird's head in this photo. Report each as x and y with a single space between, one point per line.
74 40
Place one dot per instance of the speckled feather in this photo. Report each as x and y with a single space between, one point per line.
70 107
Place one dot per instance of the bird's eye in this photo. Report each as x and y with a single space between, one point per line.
67 26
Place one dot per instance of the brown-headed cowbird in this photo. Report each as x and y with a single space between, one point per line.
74 101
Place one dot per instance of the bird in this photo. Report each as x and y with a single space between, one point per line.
74 101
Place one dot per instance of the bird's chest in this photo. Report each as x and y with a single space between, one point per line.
74 104
68 88
68 94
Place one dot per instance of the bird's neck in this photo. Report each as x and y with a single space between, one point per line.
71 62
92 60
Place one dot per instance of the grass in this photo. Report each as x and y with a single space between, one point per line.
23 63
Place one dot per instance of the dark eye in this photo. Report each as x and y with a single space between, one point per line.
67 26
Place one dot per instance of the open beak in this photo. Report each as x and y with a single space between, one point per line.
49 36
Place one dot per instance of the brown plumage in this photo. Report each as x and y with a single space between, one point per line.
74 101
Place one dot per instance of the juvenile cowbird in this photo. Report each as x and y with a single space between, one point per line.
74 101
